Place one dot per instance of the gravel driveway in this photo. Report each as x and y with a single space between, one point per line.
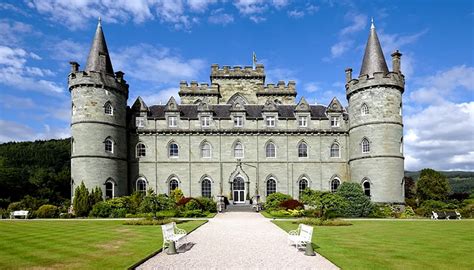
238 240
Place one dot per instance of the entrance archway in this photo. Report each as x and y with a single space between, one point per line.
238 187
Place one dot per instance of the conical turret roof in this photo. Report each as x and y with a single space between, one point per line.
374 61
99 50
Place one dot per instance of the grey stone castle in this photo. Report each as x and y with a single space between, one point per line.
236 136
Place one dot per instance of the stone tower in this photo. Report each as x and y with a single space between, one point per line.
375 124
98 126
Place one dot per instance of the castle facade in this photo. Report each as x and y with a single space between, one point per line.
237 136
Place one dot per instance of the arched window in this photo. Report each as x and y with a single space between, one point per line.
73 109
365 145
335 183
109 189
270 150
271 186
366 186
206 150
303 184
302 150
109 145
173 150
174 184
206 188
334 153
400 110
141 150
141 186
108 109
238 150
364 110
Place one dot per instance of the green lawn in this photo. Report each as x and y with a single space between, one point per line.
78 244
396 244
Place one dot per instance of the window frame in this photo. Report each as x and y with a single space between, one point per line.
205 121
173 180
202 148
111 189
270 121
106 144
238 123
108 108
175 153
365 145
303 123
301 144
364 109
203 182
269 145
332 150
172 121
367 189
333 181
137 185
241 149
300 190
140 151
335 121
274 186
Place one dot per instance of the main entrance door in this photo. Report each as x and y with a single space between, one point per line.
239 190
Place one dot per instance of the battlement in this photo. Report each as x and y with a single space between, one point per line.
196 88
237 72
393 79
97 79
279 88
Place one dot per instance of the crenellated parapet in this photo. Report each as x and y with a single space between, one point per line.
391 79
279 89
237 72
98 80
196 88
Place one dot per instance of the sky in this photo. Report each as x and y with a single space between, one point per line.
157 43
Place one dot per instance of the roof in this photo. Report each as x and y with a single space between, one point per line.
98 49
223 111
374 60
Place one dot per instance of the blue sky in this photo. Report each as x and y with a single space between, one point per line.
157 43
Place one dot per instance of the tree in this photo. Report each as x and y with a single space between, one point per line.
176 194
81 201
432 185
330 204
95 196
359 205
410 188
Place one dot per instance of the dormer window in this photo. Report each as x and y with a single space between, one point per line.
238 121
270 121
303 121
140 122
172 121
334 121
205 121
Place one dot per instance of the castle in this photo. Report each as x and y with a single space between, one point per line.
236 136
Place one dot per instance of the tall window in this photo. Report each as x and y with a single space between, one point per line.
205 150
205 121
303 121
173 184
400 110
270 150
303 150
334 150
401 145
109 145
365 145
335 183
334 121
109 189
270 121
303 184
364 110
366 186
141 186
140 122
238 121
238 150
172 121
173 150
141 150
271 186
206 188
108 109
73 109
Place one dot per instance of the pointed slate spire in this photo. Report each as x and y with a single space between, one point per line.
99 59
374 61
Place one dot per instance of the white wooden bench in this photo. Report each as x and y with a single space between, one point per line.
20 213
171 233
301 236
445 215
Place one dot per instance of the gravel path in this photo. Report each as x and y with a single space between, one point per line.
238 240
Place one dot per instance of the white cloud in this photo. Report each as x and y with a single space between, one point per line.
155 64
68 50
200 5
440 137
218 16
311 87
248 7
159 96
9 102
13 131
340 48
277 74
296 13
392 42
358 23
12 32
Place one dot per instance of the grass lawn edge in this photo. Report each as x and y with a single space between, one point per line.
135 265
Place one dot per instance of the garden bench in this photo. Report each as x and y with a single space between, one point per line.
445 215
171 233
301 236
20 213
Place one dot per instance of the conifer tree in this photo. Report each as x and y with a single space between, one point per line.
81 201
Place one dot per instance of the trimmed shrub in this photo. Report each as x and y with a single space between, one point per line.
329 204
101 209
274 200
183 201
47 211
291 204
151 221
81 201
280 213
118 213
193 213
323 222
312 213
381 211
176 195
167 213
408 213
296 212
4 213
208 204
95 196
14 206
358 204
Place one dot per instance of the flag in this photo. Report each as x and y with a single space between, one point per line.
254 58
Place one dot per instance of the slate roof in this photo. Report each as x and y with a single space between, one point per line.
98 48
223 111
374 60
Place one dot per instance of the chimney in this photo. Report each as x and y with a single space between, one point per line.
396 61
348 74
74 67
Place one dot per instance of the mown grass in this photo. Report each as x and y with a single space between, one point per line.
385 244
78 244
